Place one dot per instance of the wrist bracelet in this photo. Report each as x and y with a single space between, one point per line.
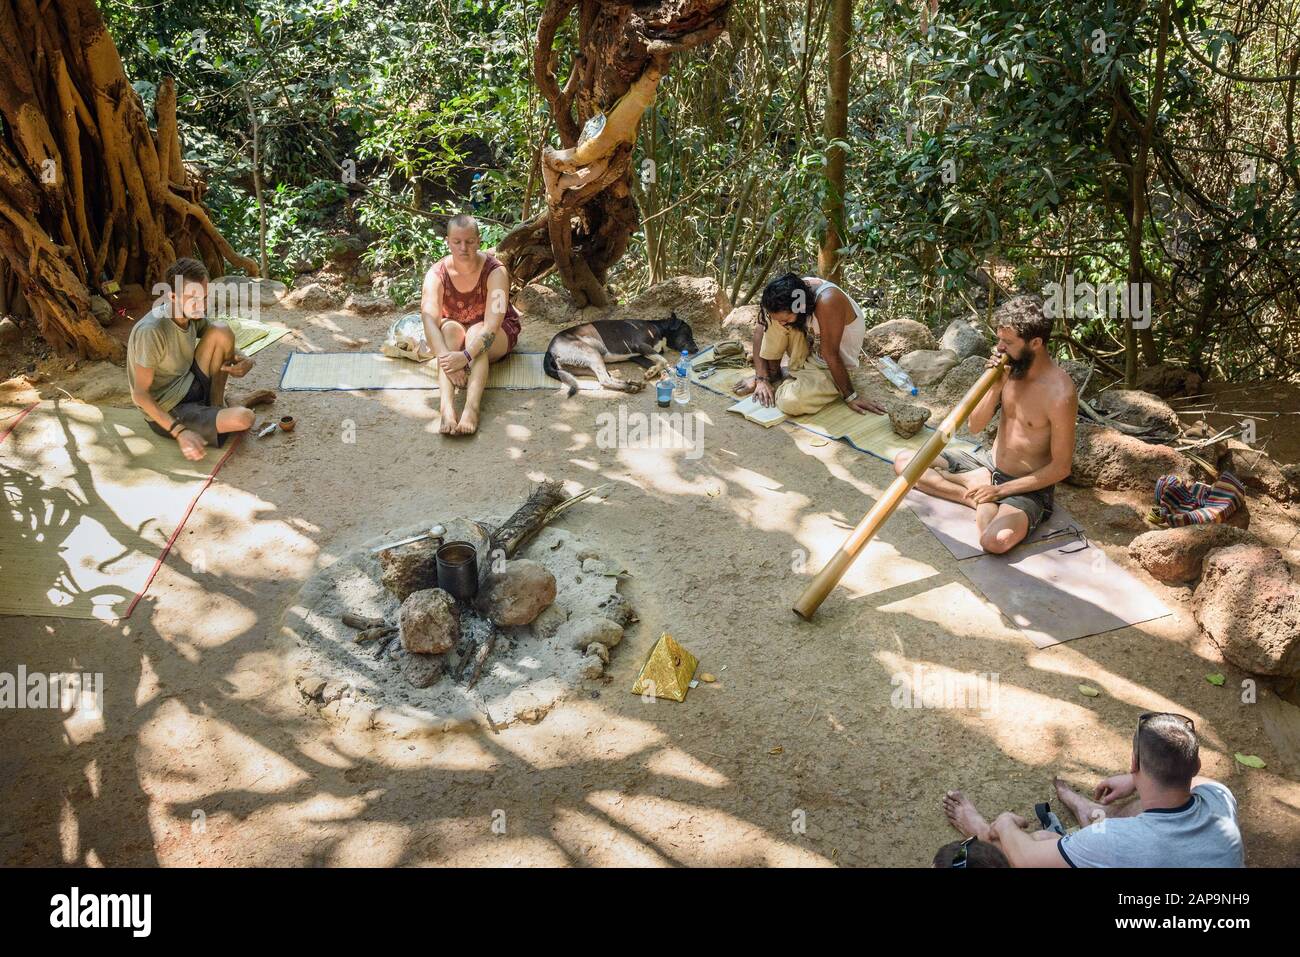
468 358
171 430
850 397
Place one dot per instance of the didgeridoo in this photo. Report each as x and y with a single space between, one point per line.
834 570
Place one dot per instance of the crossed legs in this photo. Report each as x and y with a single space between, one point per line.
475 381
1000 526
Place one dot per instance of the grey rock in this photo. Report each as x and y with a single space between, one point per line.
897 337
599 650
518 593
964 339
907 418
429 622
409 568
580 632
928 366
421 671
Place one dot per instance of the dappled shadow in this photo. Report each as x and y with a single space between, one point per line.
799 726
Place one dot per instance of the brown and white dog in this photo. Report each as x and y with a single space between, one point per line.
592 344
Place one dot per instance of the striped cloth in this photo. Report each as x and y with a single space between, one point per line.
1198 504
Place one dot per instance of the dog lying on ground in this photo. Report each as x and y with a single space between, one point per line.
592 344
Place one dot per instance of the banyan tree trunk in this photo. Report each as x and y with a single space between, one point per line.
87 191
624 47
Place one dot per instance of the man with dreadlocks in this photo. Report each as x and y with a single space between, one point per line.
820 328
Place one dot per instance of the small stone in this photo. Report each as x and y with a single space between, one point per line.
421 671
429 623
334 690
581 632
518 593
599 650
311 686
409 568
907 418
592 667
9 331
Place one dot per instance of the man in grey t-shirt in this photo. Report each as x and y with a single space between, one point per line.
177 363
1177 818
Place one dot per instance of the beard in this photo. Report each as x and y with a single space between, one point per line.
1017 367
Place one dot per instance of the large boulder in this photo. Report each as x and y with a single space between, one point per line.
698 301
1249 605
101 310
369 303
539 303
897 337
1257 471
518 593
428 622
742 321
311 295
928 366
1135 407
964 339
1079 373
410 568
1174 555
1168 380
1109 459
231 295
959 380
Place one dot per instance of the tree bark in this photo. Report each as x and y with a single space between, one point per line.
87 190
624 48
837 128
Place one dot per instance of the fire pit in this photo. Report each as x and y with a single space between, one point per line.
375 639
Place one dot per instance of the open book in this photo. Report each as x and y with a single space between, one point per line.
755 411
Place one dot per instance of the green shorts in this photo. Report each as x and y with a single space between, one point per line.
1037 505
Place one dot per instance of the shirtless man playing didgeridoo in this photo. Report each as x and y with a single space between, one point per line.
1011 490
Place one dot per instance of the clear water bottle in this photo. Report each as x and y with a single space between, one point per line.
892 371
682 379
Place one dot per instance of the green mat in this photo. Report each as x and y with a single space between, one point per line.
252 336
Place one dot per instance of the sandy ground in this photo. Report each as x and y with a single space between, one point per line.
796 756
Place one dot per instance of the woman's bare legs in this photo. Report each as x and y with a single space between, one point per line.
498 346
453 333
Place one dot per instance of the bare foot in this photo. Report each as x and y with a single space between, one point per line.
1084 811
745 386
254 399
468 423
963 816
447 419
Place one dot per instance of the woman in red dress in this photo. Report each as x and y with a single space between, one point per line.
468 322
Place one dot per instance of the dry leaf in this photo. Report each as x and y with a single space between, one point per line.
1088 690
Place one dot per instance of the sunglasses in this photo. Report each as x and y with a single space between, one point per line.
961 858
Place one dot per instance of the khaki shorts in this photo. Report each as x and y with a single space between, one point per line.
807 386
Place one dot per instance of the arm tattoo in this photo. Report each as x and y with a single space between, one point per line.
488 339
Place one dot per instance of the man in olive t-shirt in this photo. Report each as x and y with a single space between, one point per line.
177 364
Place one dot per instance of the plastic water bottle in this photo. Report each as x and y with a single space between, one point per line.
682 380
895 374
